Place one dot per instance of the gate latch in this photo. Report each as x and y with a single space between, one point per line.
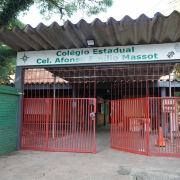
92 115
91 102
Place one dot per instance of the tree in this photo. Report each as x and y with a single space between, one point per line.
9 10
7 63
8 56
176 71
65 8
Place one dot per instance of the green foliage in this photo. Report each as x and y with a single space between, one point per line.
7 63
7 55
176 71
15 22
64 8
177 94
9 9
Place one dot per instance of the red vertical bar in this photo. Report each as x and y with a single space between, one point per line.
115 121
77 122
88 124
29 125
35 126
118 120
94 128
24 130
61 110
42 109
122 122
81 117
131 125
22 124
47 123
84 119
89 108
28 122
125 120
37 123
57 122
147 125
65 122
111 135
85 125
68 111
131 139
71 118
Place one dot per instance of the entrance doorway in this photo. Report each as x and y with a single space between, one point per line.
138 101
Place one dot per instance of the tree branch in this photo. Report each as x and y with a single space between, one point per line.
56 4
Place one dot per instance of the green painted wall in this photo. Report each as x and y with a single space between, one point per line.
8 119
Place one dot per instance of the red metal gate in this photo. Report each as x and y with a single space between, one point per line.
164 136
128 125
59 124
147 126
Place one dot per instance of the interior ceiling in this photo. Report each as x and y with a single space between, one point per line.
144 30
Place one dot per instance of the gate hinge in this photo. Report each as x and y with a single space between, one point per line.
20 93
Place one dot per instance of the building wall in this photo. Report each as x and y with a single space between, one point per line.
8 119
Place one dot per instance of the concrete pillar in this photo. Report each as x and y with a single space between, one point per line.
19 84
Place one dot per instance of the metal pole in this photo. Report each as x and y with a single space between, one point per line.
74 95
169 85
54 108
170 114
163 123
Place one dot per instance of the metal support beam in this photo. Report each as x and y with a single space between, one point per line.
18 84
54 108
74 106
170 114
163 123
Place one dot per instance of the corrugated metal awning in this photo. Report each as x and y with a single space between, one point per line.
144 30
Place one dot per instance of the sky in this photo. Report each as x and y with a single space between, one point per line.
120 8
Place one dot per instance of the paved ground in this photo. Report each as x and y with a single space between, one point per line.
107 164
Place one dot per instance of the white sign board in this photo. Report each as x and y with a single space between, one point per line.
112 54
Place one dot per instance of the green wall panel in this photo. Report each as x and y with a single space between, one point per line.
8 119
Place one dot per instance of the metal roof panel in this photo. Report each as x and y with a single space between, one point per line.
143 30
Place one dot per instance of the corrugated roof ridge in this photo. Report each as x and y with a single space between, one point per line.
127 31
156 14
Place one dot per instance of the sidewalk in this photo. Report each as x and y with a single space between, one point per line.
106 164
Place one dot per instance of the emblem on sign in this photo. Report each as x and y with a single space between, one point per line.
24 58
170 54
177 48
